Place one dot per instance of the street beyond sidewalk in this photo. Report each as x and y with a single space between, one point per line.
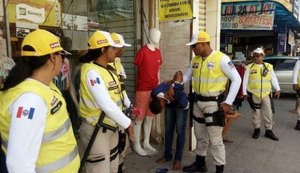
244 155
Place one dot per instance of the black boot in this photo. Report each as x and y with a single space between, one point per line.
120 168
298 125
270 134
219 168
198 166
256 133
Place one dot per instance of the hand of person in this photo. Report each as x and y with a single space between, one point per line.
131 131
178 77
169 94
226 107
295 87
277 94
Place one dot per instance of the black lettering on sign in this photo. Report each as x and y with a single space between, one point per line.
56 107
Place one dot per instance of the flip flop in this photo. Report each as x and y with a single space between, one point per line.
228 140
161 170
293 111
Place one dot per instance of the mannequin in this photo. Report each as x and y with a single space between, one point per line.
147 60
154 38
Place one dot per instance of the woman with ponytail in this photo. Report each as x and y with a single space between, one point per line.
35 128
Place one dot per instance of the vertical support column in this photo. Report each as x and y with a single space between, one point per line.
5 40
151 13
213 22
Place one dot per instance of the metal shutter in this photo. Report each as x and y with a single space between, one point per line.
125 25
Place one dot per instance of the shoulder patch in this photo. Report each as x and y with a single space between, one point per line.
28 113
95 81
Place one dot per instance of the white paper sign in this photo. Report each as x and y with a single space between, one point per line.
24 11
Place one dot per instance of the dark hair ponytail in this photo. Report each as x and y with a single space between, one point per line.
93 54
23 69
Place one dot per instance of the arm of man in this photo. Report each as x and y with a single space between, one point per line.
126 100
275 84
28 119
104 101
245 81
231 72
187 76
295 75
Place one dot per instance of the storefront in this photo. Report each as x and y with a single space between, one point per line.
249 24
75 20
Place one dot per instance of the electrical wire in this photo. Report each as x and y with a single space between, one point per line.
145 19
53 4
4 13
66 13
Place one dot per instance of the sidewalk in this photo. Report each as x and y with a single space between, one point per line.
245 155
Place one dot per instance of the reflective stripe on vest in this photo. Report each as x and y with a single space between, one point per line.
260 86
58 136
52 135
63 129
61 163
208 78
212 81
87 106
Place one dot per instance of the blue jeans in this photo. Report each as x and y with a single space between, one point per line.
175 117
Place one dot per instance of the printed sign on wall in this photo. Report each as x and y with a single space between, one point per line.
41 12
175 10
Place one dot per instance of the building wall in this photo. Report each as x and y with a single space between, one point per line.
3 43
176 55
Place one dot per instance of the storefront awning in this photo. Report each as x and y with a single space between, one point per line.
283 20
284 17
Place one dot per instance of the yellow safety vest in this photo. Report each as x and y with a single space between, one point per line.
58 152
258 84
208 79
88 108
117 65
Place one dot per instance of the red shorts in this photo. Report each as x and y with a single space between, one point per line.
142 101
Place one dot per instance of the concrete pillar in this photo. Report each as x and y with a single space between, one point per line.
213 22
5 49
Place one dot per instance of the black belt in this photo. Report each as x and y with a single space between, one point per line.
207 99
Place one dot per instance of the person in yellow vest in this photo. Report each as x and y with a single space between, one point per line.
100 96
35 127
257 86
296 87
209 71
119 70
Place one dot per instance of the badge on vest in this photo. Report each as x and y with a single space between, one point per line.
112 85
56 108
195 65
210 65
253 71
54 100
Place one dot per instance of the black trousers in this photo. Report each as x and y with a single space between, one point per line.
3 168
